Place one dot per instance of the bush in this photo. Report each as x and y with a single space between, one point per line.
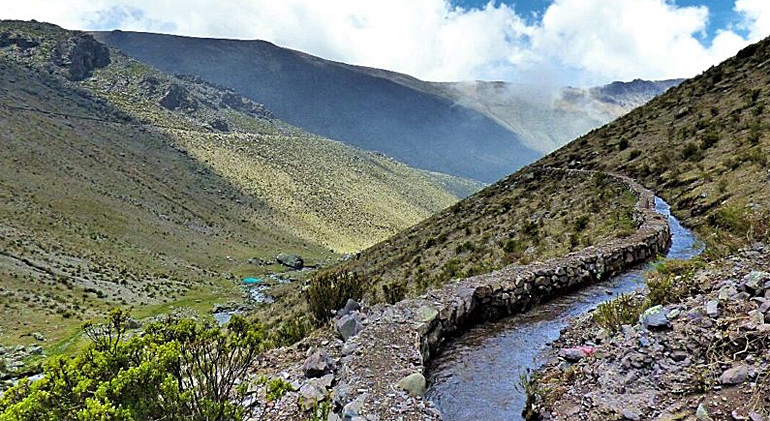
709 139
330 291
394 292
624 310
671 281
176 370
635 153
691 151
623 144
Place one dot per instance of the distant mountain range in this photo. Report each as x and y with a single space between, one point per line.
478 130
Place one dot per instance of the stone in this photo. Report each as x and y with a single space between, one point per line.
309 396
655 318
734 376
290 260
349 348
755 281
712 309
38 336
348 326
679 356
426 314
414 383
35 350
350 306
702 414
317 364
576 354
727 291
631 414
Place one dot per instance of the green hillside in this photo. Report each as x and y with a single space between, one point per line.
122 185
703 146
529 216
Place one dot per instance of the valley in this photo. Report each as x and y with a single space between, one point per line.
374 246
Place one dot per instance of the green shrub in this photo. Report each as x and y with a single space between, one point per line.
635 153
330 291
394 292
709 139
581 223
691 152
624 310
176 370
623 144
671 281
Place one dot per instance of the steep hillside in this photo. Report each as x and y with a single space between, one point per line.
529 216
124 185
341 102
479 130
703 146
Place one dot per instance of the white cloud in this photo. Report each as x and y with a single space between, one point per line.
575 41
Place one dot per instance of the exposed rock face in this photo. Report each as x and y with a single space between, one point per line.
8 39
400 339
177 98
80 55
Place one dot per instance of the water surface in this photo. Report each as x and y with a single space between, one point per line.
477 375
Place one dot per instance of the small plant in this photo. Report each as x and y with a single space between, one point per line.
581 223
691 152
635 153
623 144
330 291
709 139
624 310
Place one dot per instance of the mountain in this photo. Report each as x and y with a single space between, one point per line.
478 130
703 146
121 184
341 102
546 118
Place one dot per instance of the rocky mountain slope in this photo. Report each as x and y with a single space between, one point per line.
529 216
702 146
479 130
123 185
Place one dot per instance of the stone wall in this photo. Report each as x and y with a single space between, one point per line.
399 340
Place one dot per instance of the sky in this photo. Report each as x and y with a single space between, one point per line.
543 42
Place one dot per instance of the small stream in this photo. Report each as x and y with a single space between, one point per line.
477 375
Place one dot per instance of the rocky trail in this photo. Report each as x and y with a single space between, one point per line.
372 364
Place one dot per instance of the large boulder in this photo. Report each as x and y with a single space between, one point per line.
349 326
414 383
290 260
317 364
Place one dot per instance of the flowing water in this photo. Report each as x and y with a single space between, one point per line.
477 376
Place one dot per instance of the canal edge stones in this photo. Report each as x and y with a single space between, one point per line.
395 347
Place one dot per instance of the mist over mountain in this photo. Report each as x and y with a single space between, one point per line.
474 130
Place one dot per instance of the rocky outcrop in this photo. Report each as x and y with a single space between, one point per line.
80 55
399 340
